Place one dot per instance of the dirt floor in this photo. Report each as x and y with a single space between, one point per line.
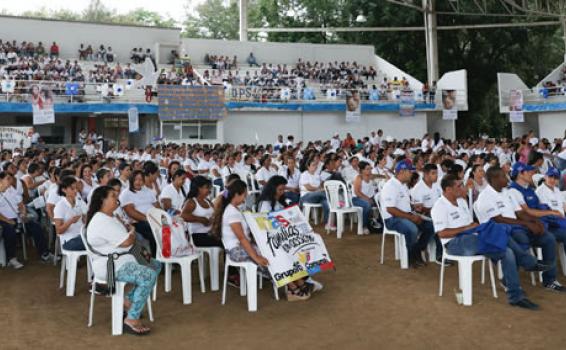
364 305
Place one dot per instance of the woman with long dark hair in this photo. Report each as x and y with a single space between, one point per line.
173 195
272 196
290 172
311 189
197 212
136 201
85 174
68 215
107 234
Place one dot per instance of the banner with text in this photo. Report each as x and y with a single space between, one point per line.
133 119
183 102
290 245
449 108
516 114
407 104
15 137
42 105
353 107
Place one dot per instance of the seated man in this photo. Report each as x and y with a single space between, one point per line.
524 195
396 207
424 194
453 223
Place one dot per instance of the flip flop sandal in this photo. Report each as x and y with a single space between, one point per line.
131 330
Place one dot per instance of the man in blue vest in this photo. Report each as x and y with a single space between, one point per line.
521 192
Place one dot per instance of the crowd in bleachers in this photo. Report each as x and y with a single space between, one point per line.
420 187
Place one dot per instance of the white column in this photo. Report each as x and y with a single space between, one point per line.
431 40
243 20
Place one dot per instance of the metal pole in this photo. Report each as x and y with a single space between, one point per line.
243 20
431 40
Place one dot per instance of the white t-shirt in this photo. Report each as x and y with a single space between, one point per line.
367 188
232 215
492 203
516 196
421 193
142 200
395 195
105 234
308 179
177 198
52 196
445 215
551 197
264 174
265 207
65 211
293 180
87 189
9 200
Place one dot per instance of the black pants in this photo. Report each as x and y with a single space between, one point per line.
206 240
144 229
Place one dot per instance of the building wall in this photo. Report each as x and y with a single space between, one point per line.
435 123
69 35
242 127
532 122
552 124
277 52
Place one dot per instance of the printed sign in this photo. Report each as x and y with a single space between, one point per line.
185 102
353 107
42 105
449 108
133 119
288 242
15 137
407 104
516 114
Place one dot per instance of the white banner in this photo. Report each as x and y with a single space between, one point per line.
133 119
449 108
288 242
15 137
42 105
353 107
516 114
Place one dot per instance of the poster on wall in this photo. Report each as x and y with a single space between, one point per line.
133 119
288 242
42 105
353 107
449 108
516 114
14 137
407 104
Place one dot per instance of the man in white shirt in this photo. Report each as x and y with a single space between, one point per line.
548 191
279 144
335 142
424 194
530 208
454 225
398 216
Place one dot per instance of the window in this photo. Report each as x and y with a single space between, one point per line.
189 130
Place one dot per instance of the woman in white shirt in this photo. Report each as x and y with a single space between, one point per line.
136 201
68 215
311 190
363 192
106 234
151 175
272 196
292 175
265 172
173 195
85 175
197 212
476 181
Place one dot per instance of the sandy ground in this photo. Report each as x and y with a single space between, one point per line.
364 305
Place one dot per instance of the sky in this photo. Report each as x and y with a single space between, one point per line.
172 8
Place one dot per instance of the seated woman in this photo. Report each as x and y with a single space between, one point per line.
272 196
68 215
197 212
173 195
265 172
106 234
363 192
86 178
136 201
292 175
311 190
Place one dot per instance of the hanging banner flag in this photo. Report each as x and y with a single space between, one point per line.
449 108
14 136
288 242
516 114
42 105
407 104
133 119
353 107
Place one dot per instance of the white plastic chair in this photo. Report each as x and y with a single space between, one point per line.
117 299
465 272
69 262
336 192
314 207
154 218
213 258
401 252
249 274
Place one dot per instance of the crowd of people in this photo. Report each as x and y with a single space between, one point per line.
423 188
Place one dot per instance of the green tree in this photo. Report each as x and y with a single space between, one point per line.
213 19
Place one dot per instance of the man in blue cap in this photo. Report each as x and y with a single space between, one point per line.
398 216
523 194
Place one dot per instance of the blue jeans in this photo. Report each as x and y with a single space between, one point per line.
143 278
411 231
74 244
547 242
218 182
559 234
32 228
467 245
294 197
366 206
317 197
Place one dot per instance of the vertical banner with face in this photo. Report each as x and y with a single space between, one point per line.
353 107
449 108
133 119
516 114
407 104
288 242
42 105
